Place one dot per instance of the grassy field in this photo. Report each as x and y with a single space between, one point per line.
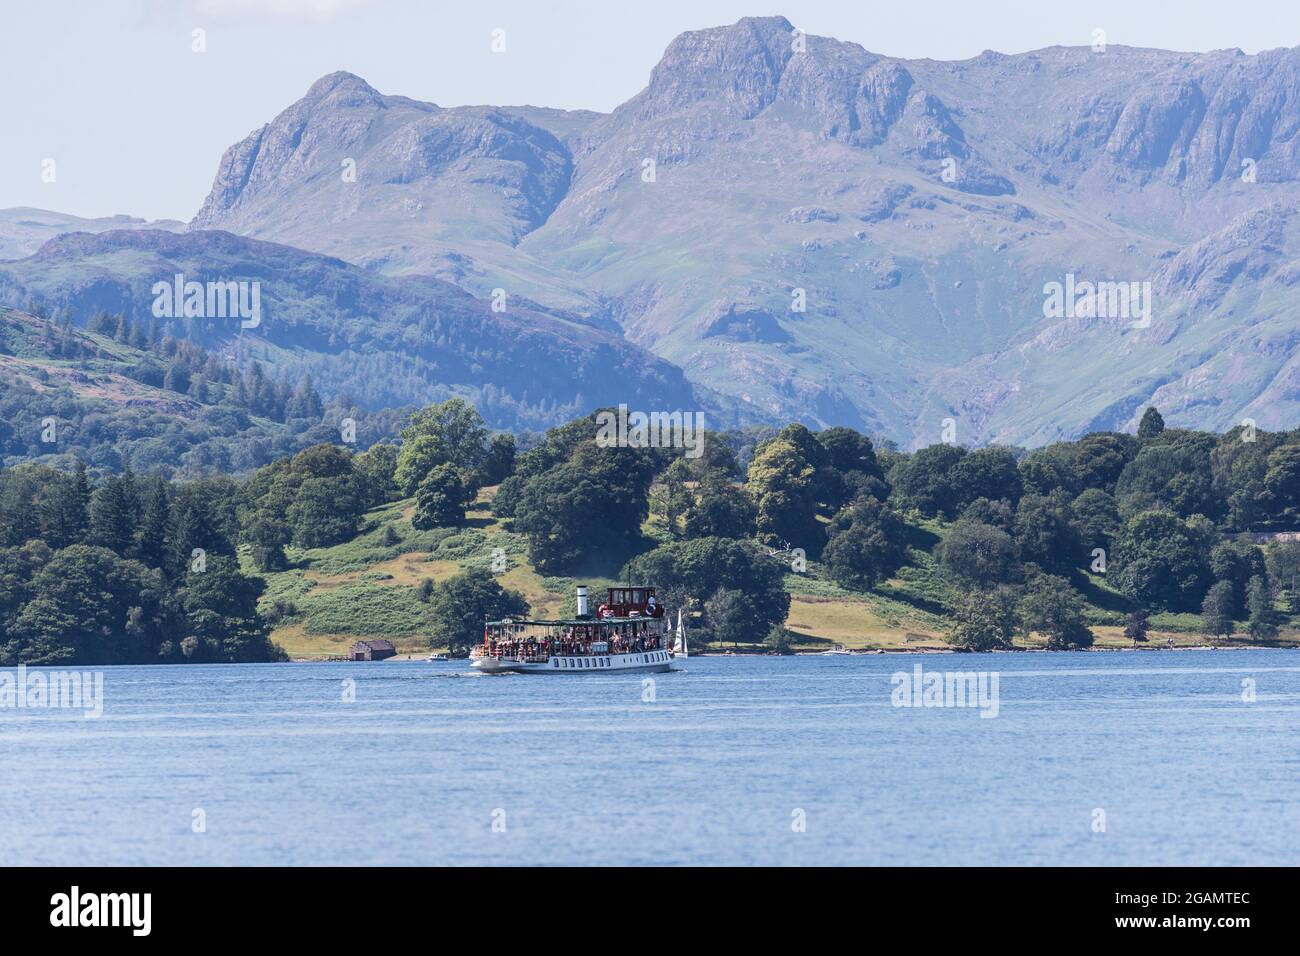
367 587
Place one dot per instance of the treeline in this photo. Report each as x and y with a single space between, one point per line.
1157 514
1017 538
245 418
133 570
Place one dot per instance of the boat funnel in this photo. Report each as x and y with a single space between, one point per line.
582 600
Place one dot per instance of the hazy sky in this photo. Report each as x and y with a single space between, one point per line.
136 121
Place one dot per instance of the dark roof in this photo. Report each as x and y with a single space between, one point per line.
376 645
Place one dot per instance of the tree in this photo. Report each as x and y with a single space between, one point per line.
733 618
671 498
267 536
1283 562
440 500
925 481
418 458
700 567
304 402
318 494
852 470
1053 608
1045 531
783 483
220 606
1161 561
500 461
866 544
65 508
1046 469
18 566
1152 424
1263 618
177 378
462 604
989 472
978 554
1096 519
1217 610
1100 457
197 524
1136 626
1173 474
374 469
115 513
997 513
593 504
721 511
324 512
1237 562
151 547
1281 483
983 621
450 432
80 606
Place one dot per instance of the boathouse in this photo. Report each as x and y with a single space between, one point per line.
375 650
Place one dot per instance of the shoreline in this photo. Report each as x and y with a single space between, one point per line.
423 658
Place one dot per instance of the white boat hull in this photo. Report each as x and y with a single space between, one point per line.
640 662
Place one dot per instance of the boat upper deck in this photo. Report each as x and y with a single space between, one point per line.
577 621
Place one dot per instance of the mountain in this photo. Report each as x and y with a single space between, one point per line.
383 340
810 230
23 230
401 186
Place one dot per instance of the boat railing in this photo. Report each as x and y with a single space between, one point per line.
542 656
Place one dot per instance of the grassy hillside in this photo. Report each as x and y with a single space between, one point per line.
367 587
108 401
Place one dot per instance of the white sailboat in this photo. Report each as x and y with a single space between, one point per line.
679 644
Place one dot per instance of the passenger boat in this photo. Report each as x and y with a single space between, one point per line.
627 634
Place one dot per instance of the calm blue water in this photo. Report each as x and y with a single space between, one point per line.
711 772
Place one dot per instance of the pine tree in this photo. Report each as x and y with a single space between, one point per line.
66 509
304 402
184 533
1152 423
114 514
154 521
1263 618
177 378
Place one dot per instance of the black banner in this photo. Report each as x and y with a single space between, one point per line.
339 905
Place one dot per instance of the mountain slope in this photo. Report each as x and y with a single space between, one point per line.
386 341
826 233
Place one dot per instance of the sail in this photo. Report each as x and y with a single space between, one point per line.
681 635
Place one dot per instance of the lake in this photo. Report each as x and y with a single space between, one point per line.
1109 758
